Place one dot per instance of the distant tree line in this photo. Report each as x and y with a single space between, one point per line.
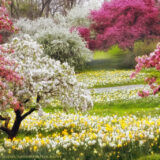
36 8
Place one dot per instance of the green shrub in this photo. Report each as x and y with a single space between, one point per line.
62 45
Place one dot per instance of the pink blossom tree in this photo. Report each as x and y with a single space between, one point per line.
151 61
8 76
123 22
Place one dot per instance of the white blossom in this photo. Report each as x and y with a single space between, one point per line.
46 77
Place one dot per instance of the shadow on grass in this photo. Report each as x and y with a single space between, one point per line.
105 64
102 64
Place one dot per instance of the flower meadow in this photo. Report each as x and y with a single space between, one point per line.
104 78
117 94
77 136
59 135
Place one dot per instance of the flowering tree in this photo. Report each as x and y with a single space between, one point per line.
123 22
8 75
5 23
151 61
44 78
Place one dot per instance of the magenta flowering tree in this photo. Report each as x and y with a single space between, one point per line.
123 22
84 32
151 61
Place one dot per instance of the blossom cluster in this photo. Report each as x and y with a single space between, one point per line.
151 61
27 26
7 75
46 77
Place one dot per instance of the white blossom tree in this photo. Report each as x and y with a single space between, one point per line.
44 79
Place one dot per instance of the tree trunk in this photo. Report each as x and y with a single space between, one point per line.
15 128
44 4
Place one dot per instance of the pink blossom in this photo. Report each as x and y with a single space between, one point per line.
151 61
143 93
156 90
7 75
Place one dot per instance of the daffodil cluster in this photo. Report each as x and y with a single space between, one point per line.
75 133
109 78
126 93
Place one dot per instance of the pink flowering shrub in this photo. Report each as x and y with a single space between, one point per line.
123 22
84 32
151 61
7 75
5 23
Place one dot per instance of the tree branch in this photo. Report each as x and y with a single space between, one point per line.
29 112
44 6
26 100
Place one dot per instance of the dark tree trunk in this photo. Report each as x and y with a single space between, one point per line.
16 125
15 128
44 4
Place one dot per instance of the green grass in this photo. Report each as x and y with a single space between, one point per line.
140 107
99 55
109 54
121 84
101 64
151 157
106 60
